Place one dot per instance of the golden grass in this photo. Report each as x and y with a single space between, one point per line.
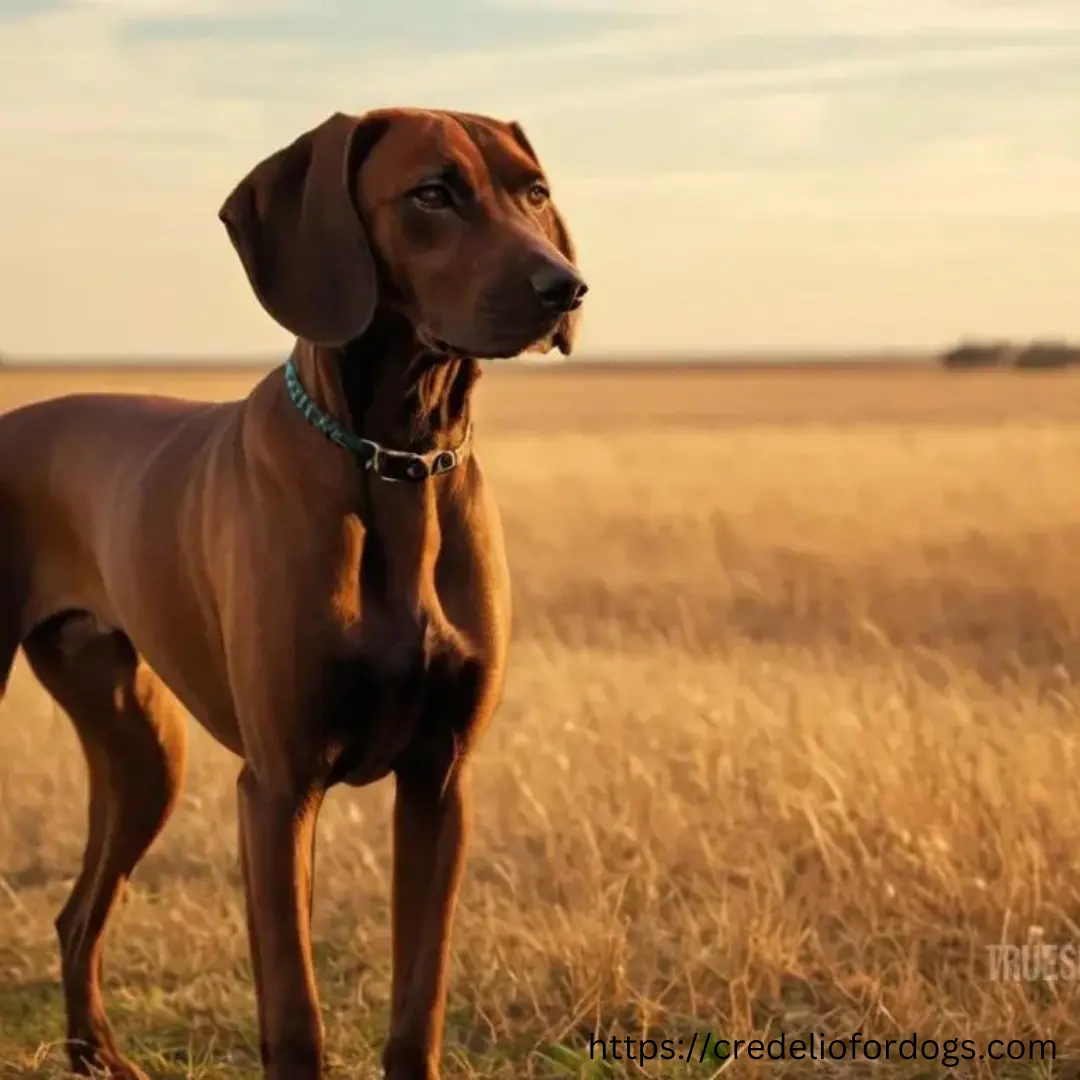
790 739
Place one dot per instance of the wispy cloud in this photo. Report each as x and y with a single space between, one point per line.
190 9
816 17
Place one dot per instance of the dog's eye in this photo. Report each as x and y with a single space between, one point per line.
432 197
538 194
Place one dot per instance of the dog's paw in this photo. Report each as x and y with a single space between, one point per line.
107 1065
405 1061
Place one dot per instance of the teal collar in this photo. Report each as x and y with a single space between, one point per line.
397 466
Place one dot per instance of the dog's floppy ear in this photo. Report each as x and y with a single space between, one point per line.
566 332
299 235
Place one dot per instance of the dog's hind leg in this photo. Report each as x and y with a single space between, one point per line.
134 739
10 617
9 646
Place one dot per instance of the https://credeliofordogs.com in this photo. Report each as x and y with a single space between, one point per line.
699 1047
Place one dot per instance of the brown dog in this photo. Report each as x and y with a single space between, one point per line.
316 573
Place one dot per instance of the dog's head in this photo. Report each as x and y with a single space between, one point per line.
444 217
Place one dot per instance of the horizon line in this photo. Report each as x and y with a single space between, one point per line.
602 356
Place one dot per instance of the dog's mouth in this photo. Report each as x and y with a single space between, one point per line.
449 351
439 345
540 337
435 344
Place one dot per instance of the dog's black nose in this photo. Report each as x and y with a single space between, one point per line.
559 288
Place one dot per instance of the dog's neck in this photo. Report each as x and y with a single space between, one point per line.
388 387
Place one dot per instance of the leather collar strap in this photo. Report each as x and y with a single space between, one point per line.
396 466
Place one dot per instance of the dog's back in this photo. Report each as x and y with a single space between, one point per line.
62 461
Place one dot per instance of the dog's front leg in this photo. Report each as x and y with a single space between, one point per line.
277 843
431 831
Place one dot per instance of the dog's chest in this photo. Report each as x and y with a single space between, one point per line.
396 698
416 656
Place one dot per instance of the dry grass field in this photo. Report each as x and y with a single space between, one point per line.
790 741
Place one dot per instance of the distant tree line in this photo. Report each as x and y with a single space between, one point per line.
999 354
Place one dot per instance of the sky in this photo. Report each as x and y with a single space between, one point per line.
738 174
